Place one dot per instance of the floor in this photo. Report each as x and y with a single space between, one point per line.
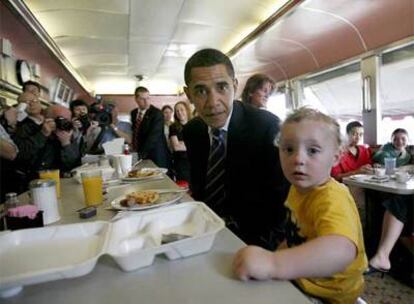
386 290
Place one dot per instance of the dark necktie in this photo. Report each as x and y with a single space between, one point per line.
214 190
135 131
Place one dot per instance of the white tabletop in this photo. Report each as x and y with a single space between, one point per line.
205 278
391 186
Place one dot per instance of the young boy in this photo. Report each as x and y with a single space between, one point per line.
326 255
356 159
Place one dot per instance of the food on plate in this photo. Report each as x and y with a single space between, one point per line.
142 173
140 198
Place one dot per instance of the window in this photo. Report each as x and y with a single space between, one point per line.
396 92
337 92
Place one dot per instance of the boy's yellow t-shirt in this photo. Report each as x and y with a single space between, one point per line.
328 210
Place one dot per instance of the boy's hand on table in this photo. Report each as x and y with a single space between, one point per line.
253 262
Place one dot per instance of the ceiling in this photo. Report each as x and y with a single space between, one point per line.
109 42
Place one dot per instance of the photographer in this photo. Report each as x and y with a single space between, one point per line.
45 143
83 128
105 115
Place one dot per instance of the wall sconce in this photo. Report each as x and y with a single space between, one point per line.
366 94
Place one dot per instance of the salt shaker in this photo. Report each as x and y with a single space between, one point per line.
11 200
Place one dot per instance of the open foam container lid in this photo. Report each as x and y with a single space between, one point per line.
44 254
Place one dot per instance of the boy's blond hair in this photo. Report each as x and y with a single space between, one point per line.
305 113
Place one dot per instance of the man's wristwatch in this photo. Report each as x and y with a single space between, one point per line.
115 128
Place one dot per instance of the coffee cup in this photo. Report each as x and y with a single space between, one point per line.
402 177
380 172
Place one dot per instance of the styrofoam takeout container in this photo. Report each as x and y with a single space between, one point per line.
38 255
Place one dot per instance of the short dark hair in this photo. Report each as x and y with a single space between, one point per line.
167 107
399 130
207 58
254 83
77 103
351 125
141 90
30 82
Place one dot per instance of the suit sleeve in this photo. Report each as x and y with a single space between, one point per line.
155 133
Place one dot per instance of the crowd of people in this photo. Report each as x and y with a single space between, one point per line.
276 185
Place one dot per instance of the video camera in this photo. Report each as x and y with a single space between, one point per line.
102 113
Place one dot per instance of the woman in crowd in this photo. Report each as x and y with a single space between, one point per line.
257 90
182 114
168 112
356 159
398 208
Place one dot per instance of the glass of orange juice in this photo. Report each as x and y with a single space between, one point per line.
92 187
53 174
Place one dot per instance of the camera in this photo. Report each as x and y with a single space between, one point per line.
84 120
63 124
103 113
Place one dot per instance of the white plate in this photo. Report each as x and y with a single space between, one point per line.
380 178
360 177
166 198
159 172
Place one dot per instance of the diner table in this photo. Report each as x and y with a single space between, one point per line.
390 186
204 278
373 199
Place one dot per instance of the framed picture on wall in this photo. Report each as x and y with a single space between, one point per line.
66 94
62 92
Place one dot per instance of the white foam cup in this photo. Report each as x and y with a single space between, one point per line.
125 162
43 192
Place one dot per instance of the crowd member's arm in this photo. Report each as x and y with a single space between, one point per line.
177 145
7 150
121 133
30 142
9 120
338 175
92 134
321 257
70 152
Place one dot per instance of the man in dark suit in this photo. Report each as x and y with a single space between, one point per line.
148 130
249 190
